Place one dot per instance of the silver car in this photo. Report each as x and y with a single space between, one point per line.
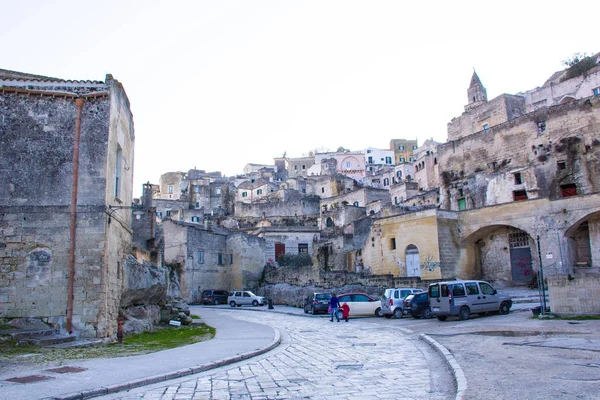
391 301
463 298
245 298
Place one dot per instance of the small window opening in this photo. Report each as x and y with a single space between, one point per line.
393 243
541 127
568 190
486 127
560 165
519 195
518 180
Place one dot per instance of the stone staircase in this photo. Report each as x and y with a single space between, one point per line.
38 337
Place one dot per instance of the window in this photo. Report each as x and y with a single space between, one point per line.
170 189
244 194
195 219
348 164
472 288
541 127
414 147
220 259
400 147
486 288
402 159
369 151
259 191
322 190
159 214
197 204
296 167
462 204
370 161
196 189
230 259
457 290
560 165
356 204
399 174
200 257
168 213
520 195
518 180
596 91
304 167
303 190
486 127
218 190
411 159
396 200
118 167
393 244
386 182
388 160
302 248
568 190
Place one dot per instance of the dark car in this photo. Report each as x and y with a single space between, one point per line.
417 305
317 303
215 297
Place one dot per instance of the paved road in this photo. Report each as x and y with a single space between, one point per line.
318 359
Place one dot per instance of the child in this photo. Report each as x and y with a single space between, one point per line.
345 311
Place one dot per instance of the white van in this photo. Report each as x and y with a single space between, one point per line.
463 298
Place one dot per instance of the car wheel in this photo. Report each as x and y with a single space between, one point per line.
232 303
312 310
398 313
378 312
464 313
255 303
441 318
426 313
504 308
217 302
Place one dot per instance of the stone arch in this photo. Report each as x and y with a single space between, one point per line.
583 242
329 222
500 253
566 99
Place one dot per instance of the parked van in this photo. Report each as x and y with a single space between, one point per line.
463 298
391 301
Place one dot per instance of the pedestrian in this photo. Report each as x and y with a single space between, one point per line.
334 304
345 311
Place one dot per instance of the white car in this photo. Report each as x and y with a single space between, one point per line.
360 304
245 297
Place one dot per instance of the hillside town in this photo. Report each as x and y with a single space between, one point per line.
512 195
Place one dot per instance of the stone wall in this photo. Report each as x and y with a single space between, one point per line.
304 207
575 294
482 167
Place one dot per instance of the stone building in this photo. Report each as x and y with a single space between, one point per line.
403 150
66 169
299 166
171 186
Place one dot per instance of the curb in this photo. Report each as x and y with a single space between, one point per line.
87 394
459 376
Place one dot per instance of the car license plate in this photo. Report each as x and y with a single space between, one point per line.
435 309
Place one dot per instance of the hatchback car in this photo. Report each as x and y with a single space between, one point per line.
391 301
215 297
417 305
317 303
463 298
244 298
360 305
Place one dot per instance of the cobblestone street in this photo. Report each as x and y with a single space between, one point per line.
317 359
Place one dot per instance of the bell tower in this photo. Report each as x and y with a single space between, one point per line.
476 92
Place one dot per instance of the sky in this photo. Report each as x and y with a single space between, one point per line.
215 85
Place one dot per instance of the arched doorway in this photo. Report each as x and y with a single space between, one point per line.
329 222
413 264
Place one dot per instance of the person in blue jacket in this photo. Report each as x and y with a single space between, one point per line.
334 304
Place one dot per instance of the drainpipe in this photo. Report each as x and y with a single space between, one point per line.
70 296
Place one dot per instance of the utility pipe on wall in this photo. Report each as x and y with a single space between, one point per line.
70 289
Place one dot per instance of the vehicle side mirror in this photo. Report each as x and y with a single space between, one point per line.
495 291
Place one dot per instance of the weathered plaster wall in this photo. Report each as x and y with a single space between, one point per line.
248 260
305 207
575 294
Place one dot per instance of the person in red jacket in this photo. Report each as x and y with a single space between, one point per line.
345 311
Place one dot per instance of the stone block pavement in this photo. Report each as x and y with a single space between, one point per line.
317 359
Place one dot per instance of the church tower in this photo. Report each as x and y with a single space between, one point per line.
476 92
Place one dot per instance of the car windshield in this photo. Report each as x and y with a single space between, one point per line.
323 296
